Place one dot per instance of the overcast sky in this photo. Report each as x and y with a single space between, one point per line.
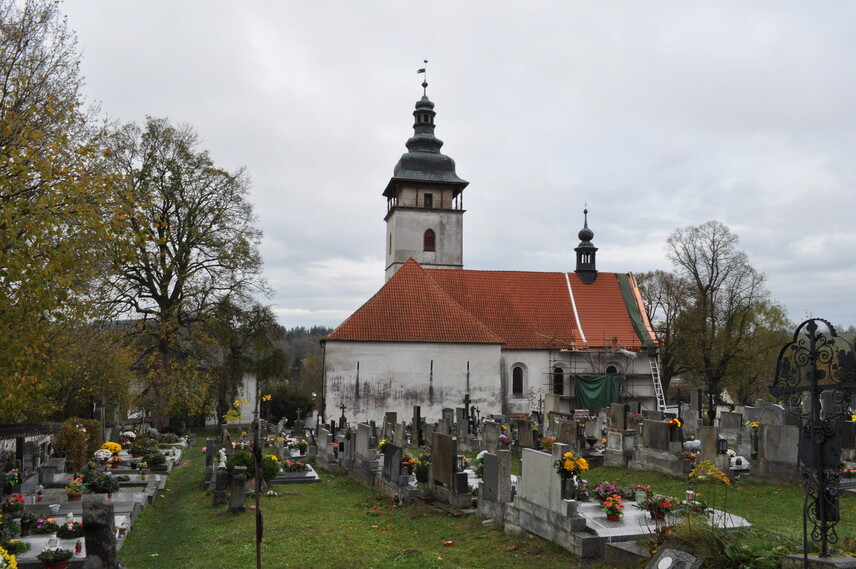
657 115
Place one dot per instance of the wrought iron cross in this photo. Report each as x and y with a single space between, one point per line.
815 379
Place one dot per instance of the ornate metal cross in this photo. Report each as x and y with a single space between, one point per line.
815 379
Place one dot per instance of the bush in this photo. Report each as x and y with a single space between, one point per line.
172 430
270 467
168 438
78 439
241 458
153 457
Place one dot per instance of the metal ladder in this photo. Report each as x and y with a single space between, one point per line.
658 387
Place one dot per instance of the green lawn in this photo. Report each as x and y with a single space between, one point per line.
320 525
325 525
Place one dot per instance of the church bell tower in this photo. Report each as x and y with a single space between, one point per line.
424 200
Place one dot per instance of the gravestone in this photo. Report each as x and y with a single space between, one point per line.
418 437
731 421
448 415
238 496
695 399
462 421
392 455
708 436
362 446
399 438
490 478
634 407
444 427
618 416
490 435
221 489
652 415
444 450
691 420
674 559
656 435
390 418
525 435
567 432
98 530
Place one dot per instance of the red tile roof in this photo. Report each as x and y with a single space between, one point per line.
522 310
410 307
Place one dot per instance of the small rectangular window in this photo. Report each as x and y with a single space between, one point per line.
428 200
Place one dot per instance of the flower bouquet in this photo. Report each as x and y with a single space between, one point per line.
657 505
381 446
70 530
44 526
674 422
569 465
13 477
547 443
293 466
613 505
75 485
13 504
55 555
299 444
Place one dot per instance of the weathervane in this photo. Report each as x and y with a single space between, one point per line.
425 79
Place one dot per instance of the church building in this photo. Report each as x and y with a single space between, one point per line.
505 342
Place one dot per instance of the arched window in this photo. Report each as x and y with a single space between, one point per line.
558 381
517 381
428 240
611 370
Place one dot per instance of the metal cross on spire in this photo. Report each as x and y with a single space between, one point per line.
424 71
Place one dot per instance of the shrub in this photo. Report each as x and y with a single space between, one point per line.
78 439
241 458
270 467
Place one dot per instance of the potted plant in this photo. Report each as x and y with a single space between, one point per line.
613 505
657 505
74 488
114 448
55 558
101 483
102 455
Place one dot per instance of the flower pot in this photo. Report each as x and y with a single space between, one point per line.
658 515
613 517
74 496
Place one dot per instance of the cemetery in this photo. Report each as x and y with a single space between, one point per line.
73 492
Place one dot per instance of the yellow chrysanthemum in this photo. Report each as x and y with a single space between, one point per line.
582 464
569 464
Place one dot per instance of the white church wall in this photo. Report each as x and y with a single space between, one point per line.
397 376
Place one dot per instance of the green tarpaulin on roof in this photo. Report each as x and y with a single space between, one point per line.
595 391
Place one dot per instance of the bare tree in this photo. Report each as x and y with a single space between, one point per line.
726 292
666 296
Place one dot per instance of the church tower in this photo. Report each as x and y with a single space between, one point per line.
425 215
586 266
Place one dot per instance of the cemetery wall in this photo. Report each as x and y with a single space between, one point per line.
395 377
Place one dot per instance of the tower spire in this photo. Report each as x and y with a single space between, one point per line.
424 72
586 267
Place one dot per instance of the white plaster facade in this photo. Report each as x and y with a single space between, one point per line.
397 376
408 221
